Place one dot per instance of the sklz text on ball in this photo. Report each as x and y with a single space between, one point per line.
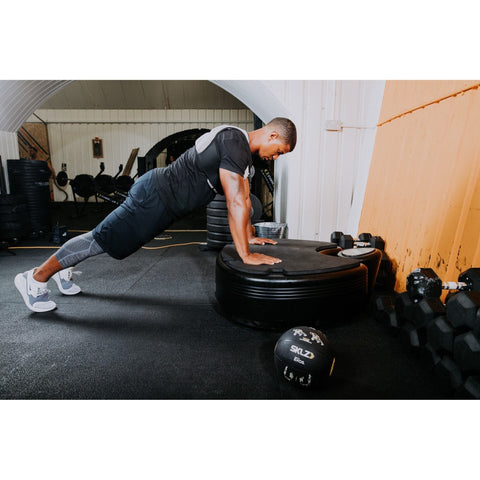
302 352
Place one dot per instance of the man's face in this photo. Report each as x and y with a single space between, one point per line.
272 148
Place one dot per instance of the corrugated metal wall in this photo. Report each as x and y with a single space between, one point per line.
8 149
319 186
423 192
19 98
324 181
71 132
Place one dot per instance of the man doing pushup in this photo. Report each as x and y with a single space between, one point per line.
219 162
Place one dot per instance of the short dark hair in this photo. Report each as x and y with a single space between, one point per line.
286 130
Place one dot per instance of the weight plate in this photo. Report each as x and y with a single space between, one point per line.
62 178
215 220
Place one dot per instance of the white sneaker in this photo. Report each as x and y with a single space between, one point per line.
34 294
63 279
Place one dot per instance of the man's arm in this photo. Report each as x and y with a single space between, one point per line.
236 193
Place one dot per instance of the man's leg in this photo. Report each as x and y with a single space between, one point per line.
32 284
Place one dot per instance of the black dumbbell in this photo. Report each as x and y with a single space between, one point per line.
383 309
421 315
449 373
424 282
462 311
466 352
470 388
429 355
426 310
364 240
404 308
440 335
415 337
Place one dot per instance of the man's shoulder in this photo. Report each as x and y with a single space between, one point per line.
221 133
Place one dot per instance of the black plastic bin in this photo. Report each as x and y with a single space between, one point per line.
311 286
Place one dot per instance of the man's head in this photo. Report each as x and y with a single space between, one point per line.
277 137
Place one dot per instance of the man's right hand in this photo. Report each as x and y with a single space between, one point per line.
260 259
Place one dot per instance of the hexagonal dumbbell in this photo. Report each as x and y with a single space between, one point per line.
466 352
383 309
364 240
440 335
404 308
429 355
424 282
449 373
462 310
426 310
422 314
470 388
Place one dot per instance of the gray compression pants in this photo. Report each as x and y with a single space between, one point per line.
78 249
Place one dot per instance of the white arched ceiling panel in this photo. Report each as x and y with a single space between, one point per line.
20 98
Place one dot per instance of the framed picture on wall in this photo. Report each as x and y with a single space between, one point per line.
97 145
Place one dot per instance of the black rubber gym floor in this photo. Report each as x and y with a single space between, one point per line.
147 327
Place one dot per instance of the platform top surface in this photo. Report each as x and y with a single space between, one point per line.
299 257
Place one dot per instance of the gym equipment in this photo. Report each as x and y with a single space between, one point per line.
311 282
413 335
383 309
364 240
466 352
31 178
3 185
429 354
449 373
303 357
218 230
403 308
108 188
422 313
370 257
470 388
462 310
271 230
14 219
416 317
426 310
424 282
440 335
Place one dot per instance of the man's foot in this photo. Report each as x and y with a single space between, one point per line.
34 294
63 279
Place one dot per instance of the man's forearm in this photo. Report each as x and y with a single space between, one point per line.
239 222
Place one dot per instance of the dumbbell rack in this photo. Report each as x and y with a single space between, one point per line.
445 336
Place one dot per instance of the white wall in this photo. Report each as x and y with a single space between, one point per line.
321 185
8 150
71 132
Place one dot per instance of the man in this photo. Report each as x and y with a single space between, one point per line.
33 155
220 162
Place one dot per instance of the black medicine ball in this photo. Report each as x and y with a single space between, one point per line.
303 356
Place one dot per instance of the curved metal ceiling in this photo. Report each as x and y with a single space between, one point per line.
20 98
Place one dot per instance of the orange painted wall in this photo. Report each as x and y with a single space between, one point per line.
423 190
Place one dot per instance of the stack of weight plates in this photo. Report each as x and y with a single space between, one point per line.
30 178
312 285
14 220
218 230
370 257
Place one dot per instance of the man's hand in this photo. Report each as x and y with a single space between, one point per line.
261 241
260 259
